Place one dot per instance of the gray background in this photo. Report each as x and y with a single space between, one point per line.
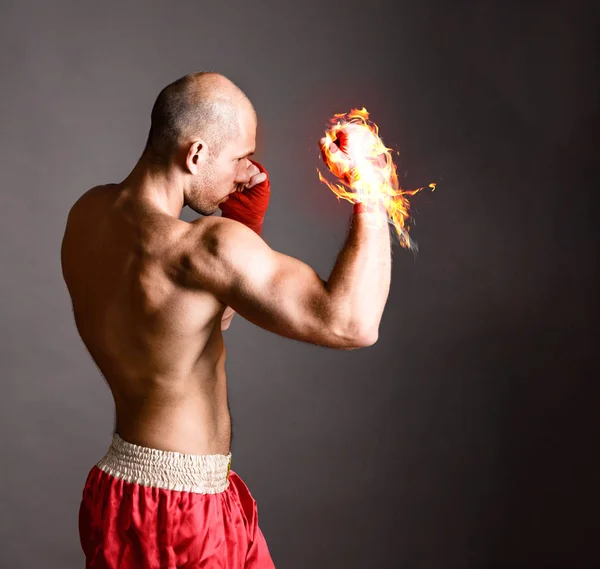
467 436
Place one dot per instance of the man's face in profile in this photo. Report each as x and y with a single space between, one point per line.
227 172
230 167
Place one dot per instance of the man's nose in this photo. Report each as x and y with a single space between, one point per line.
243 176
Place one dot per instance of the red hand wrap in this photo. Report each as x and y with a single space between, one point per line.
249 206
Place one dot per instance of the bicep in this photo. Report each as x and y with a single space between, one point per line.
270 289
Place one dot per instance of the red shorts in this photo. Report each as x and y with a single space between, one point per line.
145 508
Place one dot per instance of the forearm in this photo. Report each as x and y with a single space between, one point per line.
359 283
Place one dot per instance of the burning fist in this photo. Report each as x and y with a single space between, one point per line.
338 162
356 155
353 146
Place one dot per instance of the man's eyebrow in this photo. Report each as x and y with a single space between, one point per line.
251 153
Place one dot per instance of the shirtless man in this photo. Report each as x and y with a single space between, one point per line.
151 297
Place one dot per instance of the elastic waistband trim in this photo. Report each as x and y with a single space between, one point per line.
199 473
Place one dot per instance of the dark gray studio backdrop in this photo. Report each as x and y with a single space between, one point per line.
467 436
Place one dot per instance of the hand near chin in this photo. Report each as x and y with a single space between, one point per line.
249 204
256 175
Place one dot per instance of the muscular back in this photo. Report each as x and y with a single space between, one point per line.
156 340
149 292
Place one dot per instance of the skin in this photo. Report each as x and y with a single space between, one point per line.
152 294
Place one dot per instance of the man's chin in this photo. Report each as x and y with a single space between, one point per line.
205 210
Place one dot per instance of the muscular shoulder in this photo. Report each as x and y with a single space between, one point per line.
220 236
79 216
85 201
209 245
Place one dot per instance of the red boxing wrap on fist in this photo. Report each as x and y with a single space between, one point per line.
250 205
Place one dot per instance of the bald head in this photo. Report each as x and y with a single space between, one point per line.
204 106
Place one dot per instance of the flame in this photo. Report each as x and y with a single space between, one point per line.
357 157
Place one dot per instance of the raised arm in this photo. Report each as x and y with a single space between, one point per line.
274 291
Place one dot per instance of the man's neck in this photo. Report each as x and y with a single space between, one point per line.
159 186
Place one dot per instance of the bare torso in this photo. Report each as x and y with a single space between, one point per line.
157 342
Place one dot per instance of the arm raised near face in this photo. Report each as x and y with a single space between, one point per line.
272 290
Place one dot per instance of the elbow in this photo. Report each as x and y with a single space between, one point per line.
354 336
359 340
367 338
364 334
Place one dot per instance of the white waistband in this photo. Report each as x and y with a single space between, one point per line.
199 473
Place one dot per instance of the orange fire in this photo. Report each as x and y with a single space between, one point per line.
357 157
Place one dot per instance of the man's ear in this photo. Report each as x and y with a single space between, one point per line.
197 153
